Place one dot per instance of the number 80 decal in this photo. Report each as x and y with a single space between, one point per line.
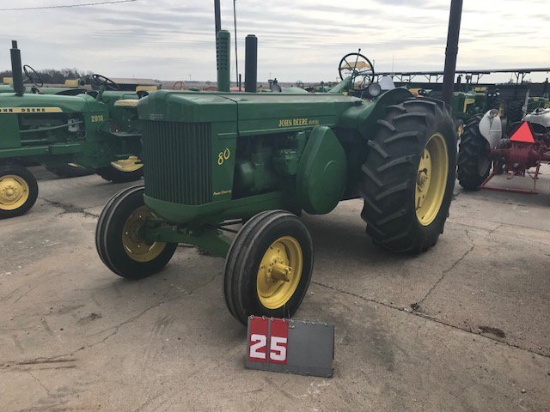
223 156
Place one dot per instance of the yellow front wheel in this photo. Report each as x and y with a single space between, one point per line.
268 267
119 237
18 191
127 165
280 272
122 171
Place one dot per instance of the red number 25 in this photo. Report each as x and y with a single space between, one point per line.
259 351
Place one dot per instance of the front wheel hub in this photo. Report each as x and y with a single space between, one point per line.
135 246
14 192
279 272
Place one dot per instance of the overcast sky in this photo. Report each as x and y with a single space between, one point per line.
298 40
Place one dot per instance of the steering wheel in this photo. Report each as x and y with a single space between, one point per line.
358 68
105 81
33 76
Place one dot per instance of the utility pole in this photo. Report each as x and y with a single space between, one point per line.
236 55
452 50
217 16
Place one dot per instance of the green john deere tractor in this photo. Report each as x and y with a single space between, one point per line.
516 109
466 104
99 131
213 160
6 86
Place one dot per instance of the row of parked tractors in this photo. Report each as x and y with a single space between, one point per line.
499 137
213 160
61 128
492 144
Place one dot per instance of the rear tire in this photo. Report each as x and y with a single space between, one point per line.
118 238
18 191
514 112
268 267
474 163
409 175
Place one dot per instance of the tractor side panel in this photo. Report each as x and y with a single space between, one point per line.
9 131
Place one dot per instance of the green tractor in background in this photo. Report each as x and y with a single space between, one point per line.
98 131
516 110
6 86
214 160
469 102
466 104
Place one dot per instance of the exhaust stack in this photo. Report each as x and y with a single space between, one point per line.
16 69
251 64
451 51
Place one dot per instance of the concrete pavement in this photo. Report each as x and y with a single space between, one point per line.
463 327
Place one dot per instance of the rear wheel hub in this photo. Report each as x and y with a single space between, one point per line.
431 179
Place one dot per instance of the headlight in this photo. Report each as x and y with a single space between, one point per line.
373 90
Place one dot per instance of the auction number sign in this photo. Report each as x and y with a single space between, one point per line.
268 340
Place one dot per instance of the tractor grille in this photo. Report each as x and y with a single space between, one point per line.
177 162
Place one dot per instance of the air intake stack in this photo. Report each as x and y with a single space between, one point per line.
223 39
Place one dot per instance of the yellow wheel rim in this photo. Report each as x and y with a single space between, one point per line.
431 179
134 244
280 272
14 192
128 165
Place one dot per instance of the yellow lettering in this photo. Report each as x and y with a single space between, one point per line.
26 110
223 192
285 122
223 156
299 122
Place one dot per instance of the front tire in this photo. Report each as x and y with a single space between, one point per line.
118 237
268 267
474 163
122 171
409 175
18 191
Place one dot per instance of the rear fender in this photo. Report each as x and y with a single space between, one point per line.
490 128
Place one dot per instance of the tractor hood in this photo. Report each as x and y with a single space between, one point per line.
539 116
262 112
